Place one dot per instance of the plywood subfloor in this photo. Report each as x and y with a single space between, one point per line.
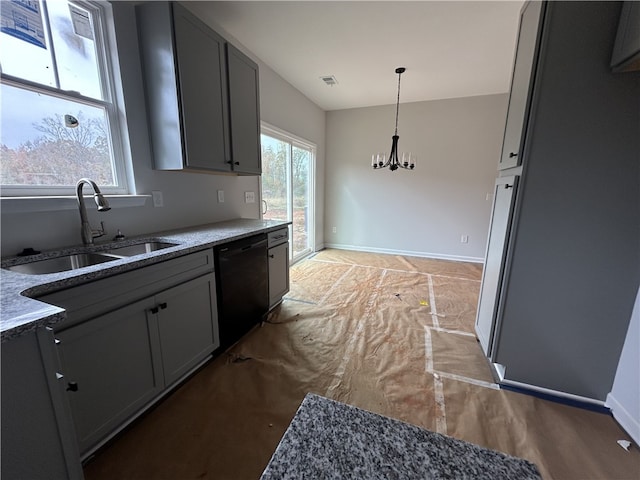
390 334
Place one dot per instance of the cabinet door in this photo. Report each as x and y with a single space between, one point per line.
114 362
492 274
203 99
244 107
187 325
521 82
278 273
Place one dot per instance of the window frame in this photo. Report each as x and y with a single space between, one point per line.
296 142
112 103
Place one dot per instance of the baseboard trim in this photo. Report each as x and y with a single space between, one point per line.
624 418
556 396
409 253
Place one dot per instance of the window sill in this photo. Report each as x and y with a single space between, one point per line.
52 204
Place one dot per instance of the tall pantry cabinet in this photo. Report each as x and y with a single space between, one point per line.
563 256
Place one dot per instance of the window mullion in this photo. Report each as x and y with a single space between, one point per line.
105 66
55 92
52 50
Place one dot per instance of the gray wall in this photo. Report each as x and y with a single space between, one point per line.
189 198
422 212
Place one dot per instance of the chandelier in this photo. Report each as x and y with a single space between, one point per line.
379 160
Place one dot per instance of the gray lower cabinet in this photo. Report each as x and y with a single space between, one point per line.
185 327
278 273
494 265
130 337
37 435
116 363
112 368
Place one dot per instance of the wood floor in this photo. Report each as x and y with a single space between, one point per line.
390 334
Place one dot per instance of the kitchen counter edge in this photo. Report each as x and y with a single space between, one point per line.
21 313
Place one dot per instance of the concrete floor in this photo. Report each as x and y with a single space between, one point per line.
390 334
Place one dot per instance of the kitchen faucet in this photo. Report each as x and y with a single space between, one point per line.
88 234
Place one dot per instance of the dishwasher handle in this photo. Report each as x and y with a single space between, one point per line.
232 250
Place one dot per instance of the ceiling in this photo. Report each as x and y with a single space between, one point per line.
449 48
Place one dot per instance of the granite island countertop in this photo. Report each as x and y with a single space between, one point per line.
329 439
21 313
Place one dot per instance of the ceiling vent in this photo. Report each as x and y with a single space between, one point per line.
329 80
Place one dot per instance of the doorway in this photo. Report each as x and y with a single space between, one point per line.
287 184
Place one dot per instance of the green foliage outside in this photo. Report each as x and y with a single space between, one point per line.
274 187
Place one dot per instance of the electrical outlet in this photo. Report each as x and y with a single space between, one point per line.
334 230
464 239
488 197
158 200
249 197
220 196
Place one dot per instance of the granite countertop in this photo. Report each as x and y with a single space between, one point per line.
329 439
21 313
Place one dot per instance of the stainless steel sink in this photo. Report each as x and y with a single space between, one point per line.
62 263
139 248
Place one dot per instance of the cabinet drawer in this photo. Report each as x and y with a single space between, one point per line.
86 301
277 237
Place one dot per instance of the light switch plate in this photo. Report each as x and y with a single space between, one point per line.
249 197
220 196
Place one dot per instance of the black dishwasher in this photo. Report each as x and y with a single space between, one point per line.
242 279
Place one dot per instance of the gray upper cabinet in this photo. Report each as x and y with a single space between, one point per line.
244 105
202 104
200 67
520 95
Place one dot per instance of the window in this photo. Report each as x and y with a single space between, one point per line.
59 119
287 186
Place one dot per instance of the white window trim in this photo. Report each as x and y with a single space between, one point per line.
294 140
115 106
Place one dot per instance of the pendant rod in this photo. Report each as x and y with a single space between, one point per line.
399 71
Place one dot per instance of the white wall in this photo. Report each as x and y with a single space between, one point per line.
282 106
624 399
422 212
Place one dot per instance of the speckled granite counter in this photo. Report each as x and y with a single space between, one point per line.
20 313
328 439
